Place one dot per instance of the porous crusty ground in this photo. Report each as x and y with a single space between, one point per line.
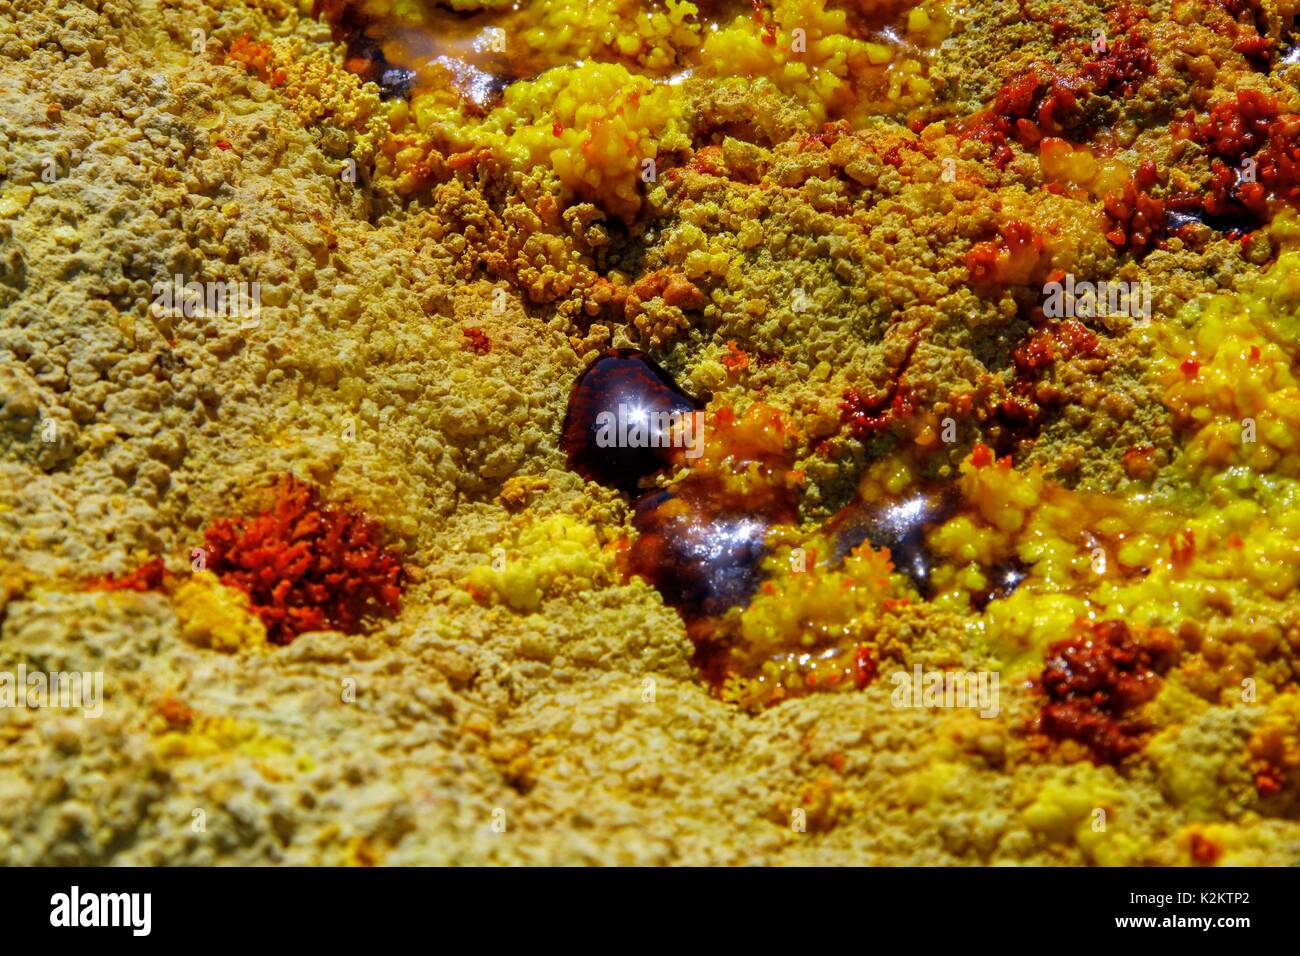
577 720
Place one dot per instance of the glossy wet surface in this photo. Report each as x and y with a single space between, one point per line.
701 562
626 420
899 524
477 54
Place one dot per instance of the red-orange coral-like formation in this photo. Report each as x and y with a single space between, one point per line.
1270 779
866 414
255 56
147 577
1094 681
1054 341
865 666
1135 220
1249 129
1245 26
304 566
476 340
1035 103
736 359
1237 127
1041 101
1019 256
1122 68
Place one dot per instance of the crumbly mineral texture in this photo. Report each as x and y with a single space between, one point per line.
817 232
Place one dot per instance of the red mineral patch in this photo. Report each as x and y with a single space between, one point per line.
305 566
1095 681
148 577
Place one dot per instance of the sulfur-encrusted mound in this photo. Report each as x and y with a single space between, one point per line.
844 243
